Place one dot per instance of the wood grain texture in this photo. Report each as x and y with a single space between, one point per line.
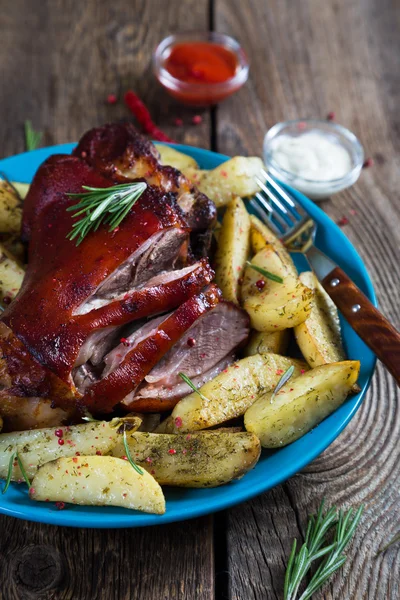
61 58
59 61
307 59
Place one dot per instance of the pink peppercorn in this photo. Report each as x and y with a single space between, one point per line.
178 422
60 505
260 284
61 442
368 163
178 122
191 342
172 451
112 99
59 433
197 119
331 116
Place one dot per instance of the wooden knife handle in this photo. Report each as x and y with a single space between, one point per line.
366 320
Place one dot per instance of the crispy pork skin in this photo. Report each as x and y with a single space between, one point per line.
118 151
106 323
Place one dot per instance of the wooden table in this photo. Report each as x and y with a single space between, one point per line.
59 60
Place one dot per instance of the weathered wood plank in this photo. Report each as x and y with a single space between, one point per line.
308 60
59 61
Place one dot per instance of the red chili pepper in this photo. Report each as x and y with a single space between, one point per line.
139 110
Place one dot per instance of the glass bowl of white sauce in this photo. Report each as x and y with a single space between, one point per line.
318 158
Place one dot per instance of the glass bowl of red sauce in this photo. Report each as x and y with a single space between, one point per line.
200 68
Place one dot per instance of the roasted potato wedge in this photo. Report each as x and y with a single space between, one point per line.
97 481
319 336
22 188
174 158
229 394
276 306
205 459
233 249
10 209
194 174
301 404
39 446
12 243
263 343
11 276
235 177
261 235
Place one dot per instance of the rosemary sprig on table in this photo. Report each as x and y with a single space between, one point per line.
32 137
317 546
264 272
103 205
192 386
395 540
15 456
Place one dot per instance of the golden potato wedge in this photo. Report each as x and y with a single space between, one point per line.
39 446
276 306
12 243
263 343
301 404
174 158
194 174
97 481
319 336
196 460
22 188
235 177
229 394
10 209
261 235
11 276
233 249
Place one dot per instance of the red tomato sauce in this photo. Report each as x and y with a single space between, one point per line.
201 62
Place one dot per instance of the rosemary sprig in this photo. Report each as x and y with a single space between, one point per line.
316 546
129 457
192 386
284 379
15 456
393 541
264 272
103 205
32 137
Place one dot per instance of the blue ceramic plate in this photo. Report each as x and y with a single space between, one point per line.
273 467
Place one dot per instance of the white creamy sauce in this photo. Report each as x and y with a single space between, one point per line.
312 155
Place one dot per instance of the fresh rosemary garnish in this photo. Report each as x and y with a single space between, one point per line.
90 419
128 456
264 272
285 377
103 205
393 541
316 546
15 456
32 137
192 386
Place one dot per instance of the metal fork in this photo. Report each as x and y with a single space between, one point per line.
294 226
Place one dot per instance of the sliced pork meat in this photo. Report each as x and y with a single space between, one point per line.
146 351
206 348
